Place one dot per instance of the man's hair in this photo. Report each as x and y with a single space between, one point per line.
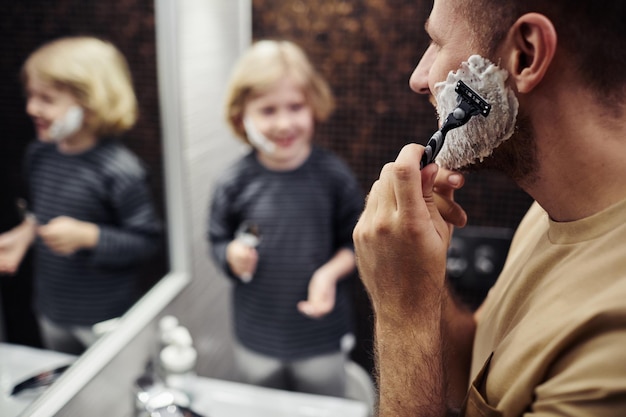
592 33
96 73
261 66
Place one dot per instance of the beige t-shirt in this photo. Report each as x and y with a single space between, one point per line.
551 340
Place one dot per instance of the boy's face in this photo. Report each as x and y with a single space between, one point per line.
46 104
283 115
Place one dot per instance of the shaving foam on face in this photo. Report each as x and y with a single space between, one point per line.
69 124
478 138
257 139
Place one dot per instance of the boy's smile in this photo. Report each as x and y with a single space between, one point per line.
50 109
45 105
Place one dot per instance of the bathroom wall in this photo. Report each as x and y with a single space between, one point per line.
212 34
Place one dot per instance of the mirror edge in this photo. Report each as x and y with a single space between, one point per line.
152 303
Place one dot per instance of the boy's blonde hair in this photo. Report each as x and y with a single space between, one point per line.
96 73
261 66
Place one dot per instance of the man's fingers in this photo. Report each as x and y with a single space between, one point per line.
450 211
446 183
407 180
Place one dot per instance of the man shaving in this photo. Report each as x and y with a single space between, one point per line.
549 339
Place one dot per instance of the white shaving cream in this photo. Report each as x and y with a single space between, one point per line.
257 139
478 138
69 124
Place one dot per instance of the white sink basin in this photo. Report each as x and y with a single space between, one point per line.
218 398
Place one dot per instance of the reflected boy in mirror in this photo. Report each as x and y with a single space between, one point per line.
92 219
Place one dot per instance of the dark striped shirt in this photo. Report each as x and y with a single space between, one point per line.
304 216
105 185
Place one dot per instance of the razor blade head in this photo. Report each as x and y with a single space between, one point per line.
478 104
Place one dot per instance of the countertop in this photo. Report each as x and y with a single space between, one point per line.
19 362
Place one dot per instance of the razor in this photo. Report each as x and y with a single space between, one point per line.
469 104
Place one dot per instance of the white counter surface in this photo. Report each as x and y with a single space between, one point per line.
218 398
18 363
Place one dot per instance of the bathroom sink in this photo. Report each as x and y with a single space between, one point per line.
218 398
19 363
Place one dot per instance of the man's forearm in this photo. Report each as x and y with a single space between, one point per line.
410 368
459 330
423 361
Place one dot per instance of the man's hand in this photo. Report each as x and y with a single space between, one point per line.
446 183
65 235
401 243
401 239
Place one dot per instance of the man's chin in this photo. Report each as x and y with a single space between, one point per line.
518 164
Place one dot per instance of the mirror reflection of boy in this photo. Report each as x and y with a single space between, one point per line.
90 216
299 204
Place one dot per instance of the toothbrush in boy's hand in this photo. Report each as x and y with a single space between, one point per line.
249 235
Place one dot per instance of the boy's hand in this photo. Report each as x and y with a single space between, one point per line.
321 295
66 235
242 259
14 244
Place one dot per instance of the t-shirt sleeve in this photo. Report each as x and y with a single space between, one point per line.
137 232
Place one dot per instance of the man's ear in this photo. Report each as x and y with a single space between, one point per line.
533 42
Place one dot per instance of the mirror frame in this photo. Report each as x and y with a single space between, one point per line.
93 361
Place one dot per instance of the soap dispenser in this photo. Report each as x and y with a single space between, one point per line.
178 360
166 325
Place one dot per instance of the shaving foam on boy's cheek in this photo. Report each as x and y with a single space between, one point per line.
477 139
70 123
257 139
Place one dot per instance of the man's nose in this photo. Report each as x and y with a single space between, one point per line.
419 78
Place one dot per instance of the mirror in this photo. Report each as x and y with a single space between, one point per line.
131 27
100 380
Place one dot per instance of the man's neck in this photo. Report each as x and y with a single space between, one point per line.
581 163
